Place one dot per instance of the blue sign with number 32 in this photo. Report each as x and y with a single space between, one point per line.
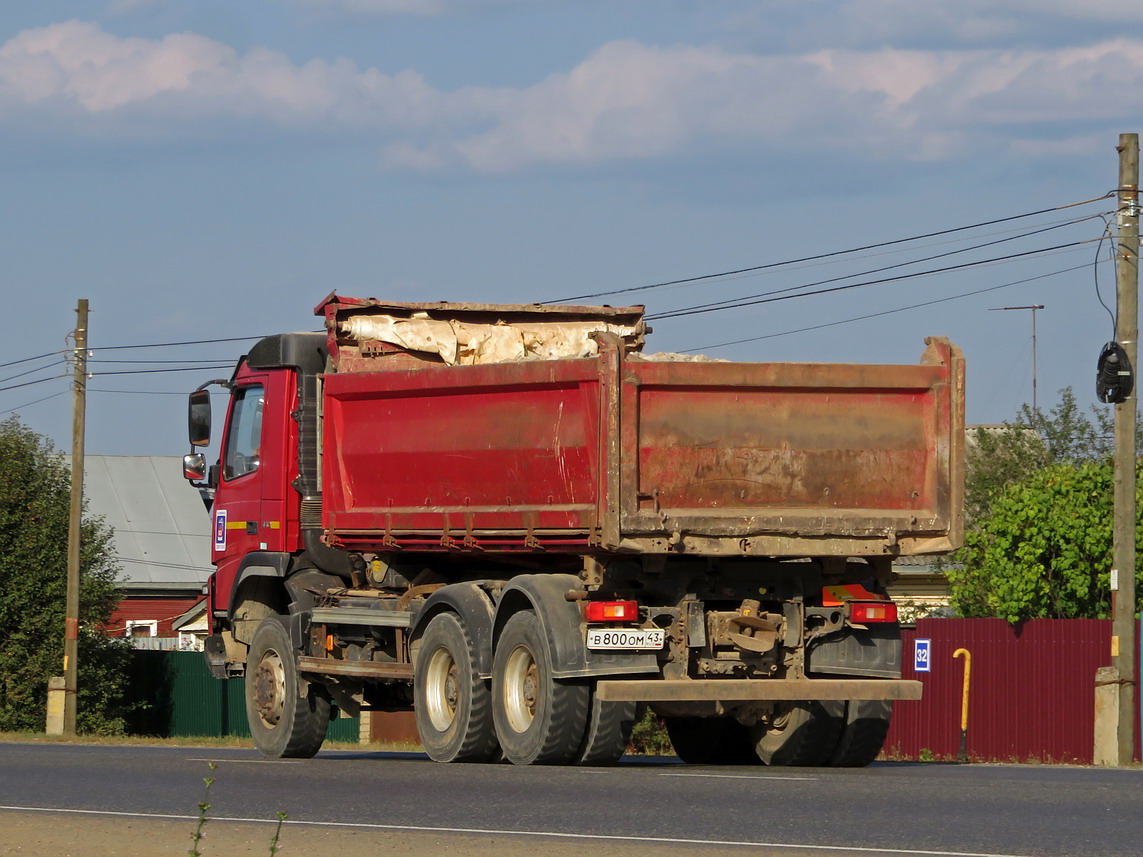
921 655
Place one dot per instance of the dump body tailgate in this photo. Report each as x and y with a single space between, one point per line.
793 459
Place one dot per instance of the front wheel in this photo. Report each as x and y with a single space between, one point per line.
284 723
539 720
452 703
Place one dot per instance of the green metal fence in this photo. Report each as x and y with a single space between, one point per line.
176 696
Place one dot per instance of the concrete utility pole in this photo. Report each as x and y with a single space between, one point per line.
1123 551
1033 307
71 620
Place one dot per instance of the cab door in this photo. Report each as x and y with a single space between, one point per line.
238 498
255 467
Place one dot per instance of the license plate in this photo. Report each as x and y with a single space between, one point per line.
625 638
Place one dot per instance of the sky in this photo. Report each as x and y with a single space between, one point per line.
202 170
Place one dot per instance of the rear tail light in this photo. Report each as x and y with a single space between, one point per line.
612 611
867 612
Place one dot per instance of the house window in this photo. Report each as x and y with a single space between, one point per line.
190 642
142 628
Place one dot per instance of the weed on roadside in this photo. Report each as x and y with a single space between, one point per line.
203 817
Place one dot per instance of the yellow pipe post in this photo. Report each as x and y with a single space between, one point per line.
963 755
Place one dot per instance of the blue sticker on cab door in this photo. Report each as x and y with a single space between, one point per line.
220 530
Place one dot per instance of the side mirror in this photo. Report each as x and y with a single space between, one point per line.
198 419
194 466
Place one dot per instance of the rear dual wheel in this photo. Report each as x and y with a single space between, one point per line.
527 717
799 733
710 740
609 726
539 720
452 703
863 735
836 733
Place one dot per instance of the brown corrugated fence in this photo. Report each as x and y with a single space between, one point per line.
1032 691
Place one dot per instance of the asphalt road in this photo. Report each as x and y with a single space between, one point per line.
398 803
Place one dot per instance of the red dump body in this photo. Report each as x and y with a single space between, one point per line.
622 453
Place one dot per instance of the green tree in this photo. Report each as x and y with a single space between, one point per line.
1043 550
1004 456
34 512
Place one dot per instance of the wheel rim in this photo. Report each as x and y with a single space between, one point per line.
269 689
521 689
441 690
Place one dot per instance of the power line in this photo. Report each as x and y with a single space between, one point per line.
832 254
139 392
882 312
177 344
31 383
226 361
36 402
1095 272
193 534
161 371
26 372
899 250
772 297
158 564
730 302
30 359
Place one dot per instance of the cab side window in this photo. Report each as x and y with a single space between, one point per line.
244 434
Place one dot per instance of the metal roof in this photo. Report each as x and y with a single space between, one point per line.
162 527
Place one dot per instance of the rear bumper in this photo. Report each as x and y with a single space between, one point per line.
752 690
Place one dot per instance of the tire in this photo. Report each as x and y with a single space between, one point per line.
539 720
609 726
452 703
710 740
283 723
863 733
799 734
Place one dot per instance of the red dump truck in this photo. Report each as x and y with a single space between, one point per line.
513 521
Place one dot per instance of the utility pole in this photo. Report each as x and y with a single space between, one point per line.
1033 307
1123 550
71 620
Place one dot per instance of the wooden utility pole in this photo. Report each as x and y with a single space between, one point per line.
71 620
1123 551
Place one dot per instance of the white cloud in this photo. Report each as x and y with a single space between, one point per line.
77 68
626 100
